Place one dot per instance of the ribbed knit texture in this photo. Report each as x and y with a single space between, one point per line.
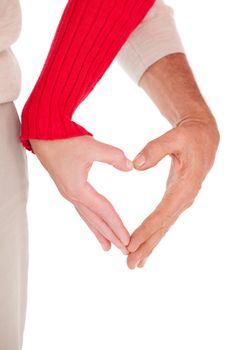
88 37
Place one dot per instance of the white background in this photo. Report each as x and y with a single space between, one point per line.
80 297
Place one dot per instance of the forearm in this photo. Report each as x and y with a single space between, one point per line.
191 144
171 85
87 39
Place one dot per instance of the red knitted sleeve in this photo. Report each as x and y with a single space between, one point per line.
88 37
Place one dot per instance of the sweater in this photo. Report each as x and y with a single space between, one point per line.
88 37
10 26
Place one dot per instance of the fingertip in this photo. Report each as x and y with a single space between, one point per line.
106 247
126 166
131 247
125 239
139 161
141 263
129 165
130 266
140 266
124 251
131 262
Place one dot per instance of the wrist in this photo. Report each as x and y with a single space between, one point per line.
203 118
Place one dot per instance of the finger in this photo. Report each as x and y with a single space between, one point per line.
145 249
111 155
105 243
101 226
177 198
142 263
104 209
156 150
143 232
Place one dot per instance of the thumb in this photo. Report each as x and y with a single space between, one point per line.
113 156
155 151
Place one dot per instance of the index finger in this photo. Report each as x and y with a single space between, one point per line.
105 210
175 200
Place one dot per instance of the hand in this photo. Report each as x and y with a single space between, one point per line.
68 162
192 146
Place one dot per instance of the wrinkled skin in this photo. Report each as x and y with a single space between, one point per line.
191 143
192 147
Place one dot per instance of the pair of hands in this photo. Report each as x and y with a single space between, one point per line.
192 146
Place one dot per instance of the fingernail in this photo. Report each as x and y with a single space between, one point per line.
129 164
139 160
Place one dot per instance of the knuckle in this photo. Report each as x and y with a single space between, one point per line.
106 204
119 154
132 247
152 146
143 230
146 226
73 193
155 147
181 135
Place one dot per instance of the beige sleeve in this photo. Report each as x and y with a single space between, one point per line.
10 27
155 37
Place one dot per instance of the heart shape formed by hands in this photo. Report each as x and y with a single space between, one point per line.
68 162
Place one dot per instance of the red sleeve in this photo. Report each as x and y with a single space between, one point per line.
88 37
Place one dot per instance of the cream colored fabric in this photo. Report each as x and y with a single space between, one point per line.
10 26
156 36
13 230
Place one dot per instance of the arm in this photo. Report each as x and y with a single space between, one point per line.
154 58
191 143
88 37
155 37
